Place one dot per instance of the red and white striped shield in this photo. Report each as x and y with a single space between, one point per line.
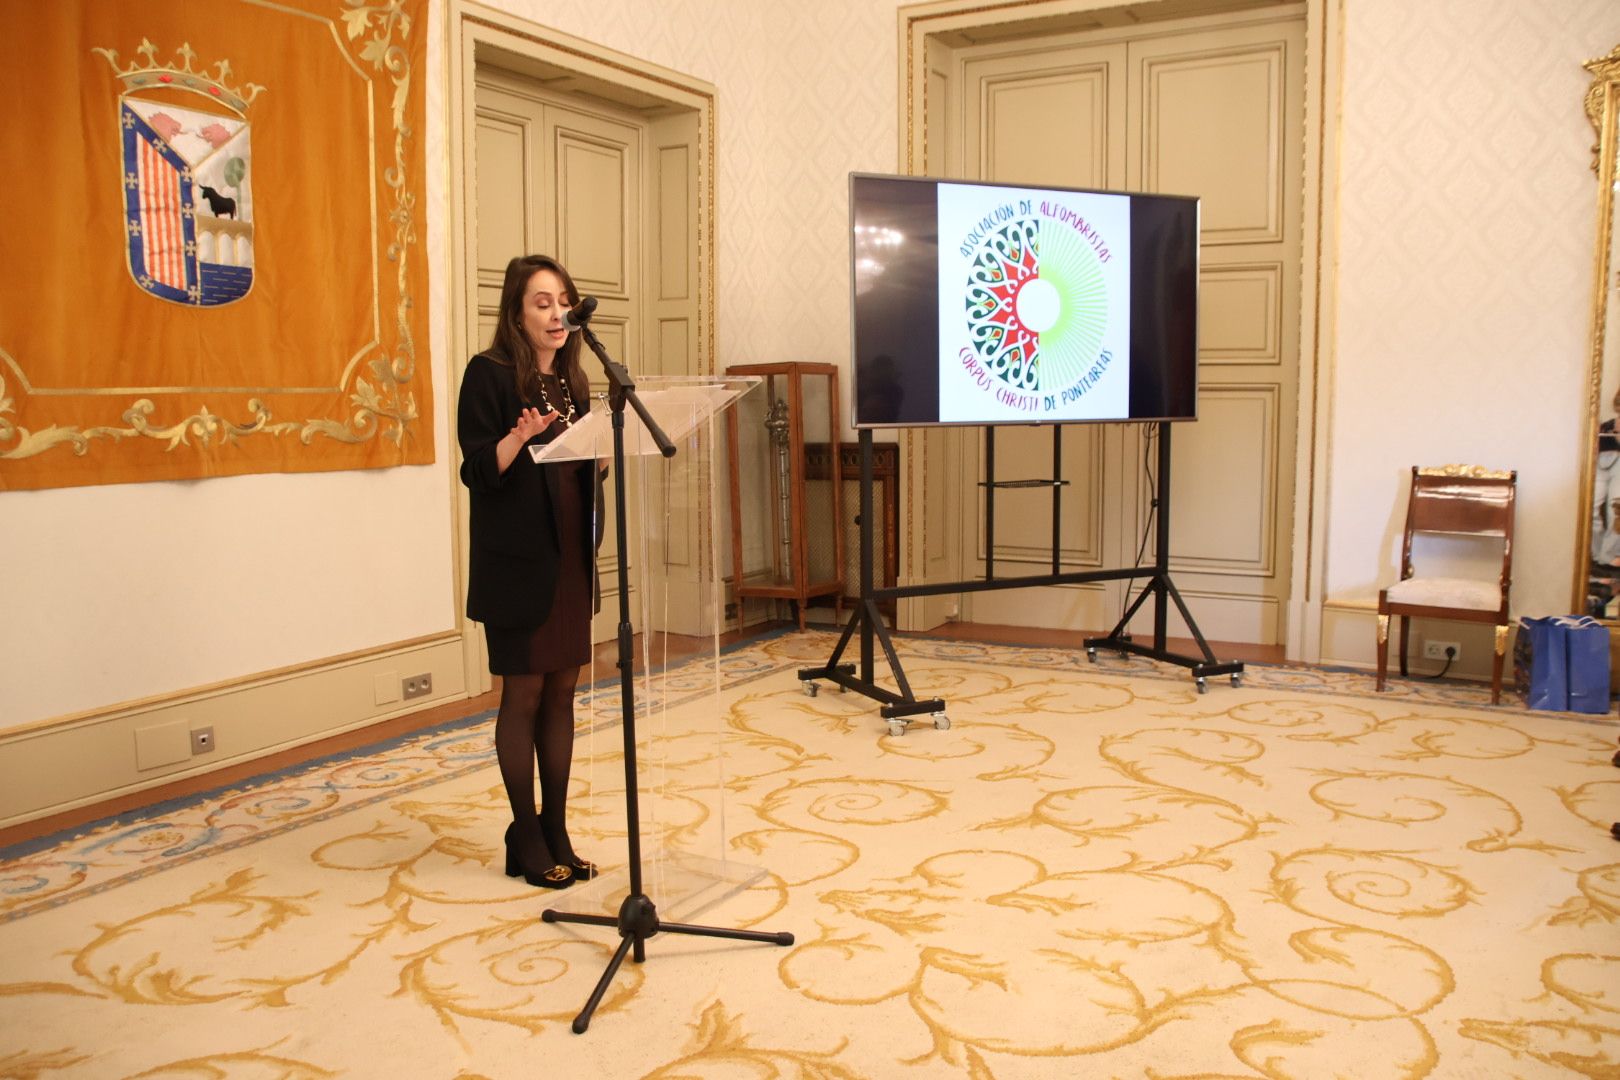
187 202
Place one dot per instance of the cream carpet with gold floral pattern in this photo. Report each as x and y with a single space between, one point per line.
1095 872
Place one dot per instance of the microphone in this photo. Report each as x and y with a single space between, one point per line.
576 318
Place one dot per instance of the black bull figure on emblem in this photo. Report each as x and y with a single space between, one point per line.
220 205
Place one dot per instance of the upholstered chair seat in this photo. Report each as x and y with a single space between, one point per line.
1447 592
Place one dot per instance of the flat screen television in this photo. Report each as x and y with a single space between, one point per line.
983 303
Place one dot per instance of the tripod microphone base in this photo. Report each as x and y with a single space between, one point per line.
636 922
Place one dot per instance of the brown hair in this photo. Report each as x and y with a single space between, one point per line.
512 346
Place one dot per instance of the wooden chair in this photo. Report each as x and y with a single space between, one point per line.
1455 500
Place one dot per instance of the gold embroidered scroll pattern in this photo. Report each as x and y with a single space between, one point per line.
382 405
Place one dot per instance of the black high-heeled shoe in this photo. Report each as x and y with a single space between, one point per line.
582 869
557 876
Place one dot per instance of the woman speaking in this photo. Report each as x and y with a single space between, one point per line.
531 529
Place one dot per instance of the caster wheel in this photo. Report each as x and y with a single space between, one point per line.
810 689
942 722
1091 654
1203 685
1616 759
897 728
1237 680
842 689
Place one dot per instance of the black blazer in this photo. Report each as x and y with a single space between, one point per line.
514 550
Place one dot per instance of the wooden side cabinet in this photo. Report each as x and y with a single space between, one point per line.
786 543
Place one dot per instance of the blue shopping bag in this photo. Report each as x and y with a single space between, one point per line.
1586 664
1538 663
1561 662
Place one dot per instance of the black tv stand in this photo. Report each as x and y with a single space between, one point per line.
1163 590
898 708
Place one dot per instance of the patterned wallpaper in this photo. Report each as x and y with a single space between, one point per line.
1466 241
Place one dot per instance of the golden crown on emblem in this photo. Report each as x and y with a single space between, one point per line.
149 75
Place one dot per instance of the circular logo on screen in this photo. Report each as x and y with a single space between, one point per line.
1036 305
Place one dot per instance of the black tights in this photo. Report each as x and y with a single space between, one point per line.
536 723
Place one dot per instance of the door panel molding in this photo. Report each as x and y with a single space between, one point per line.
1236 438
595 172
1240 313
503 145
673 165
1079 82
1200 91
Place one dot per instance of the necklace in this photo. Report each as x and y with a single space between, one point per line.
564 418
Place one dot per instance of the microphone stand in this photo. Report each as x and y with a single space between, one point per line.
638 917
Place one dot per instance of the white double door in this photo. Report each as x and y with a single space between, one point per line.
1198 109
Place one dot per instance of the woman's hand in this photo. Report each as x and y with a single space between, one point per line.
530 423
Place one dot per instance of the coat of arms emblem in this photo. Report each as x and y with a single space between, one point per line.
187 178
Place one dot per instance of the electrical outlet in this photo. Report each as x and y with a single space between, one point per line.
415 686
202 740
1436 650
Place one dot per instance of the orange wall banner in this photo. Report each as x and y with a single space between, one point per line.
213 243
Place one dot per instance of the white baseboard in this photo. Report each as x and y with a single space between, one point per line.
62 765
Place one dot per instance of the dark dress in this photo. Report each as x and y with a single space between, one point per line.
530 560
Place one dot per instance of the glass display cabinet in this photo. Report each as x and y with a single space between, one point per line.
786 543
